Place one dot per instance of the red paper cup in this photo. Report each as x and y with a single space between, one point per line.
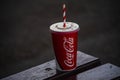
65 45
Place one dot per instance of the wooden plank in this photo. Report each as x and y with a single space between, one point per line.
48 70
104 72
84 62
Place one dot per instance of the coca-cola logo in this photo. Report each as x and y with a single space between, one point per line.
69 48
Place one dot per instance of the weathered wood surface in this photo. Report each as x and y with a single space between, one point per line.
85 62
48 69
103 72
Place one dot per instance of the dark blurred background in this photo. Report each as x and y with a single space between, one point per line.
25 40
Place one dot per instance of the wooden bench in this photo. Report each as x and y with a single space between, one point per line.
104 72
47 71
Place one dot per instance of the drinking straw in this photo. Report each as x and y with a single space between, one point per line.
64 15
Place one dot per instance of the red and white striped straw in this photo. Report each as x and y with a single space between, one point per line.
64 15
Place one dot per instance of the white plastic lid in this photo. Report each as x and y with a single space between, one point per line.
58 27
